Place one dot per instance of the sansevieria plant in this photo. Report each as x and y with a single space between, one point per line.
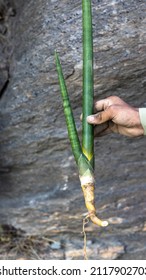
84 155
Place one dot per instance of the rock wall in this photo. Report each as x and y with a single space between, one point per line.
39 186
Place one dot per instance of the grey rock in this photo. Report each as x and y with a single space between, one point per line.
39 186
109 250
100 249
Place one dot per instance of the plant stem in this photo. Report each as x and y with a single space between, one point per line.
88 90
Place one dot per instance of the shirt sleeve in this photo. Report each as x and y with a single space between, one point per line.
142 113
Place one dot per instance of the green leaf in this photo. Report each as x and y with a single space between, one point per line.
88 86
71 127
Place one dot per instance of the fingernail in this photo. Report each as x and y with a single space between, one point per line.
90 118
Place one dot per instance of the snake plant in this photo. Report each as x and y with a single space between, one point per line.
84 155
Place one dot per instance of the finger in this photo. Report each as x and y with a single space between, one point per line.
102 104
100 118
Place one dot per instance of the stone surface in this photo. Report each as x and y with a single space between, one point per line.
39 187
95 249
4 45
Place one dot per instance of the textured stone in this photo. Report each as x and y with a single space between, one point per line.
95 249
39 185
4 46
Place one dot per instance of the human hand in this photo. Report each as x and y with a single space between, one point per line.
114 115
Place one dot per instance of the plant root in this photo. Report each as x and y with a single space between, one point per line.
85 221
88 191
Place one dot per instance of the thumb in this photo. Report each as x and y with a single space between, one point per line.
100 118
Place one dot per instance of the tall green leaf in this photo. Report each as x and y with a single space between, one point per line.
88 89
72 131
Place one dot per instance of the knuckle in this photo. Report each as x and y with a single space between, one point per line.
99 117
114 98
111 108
